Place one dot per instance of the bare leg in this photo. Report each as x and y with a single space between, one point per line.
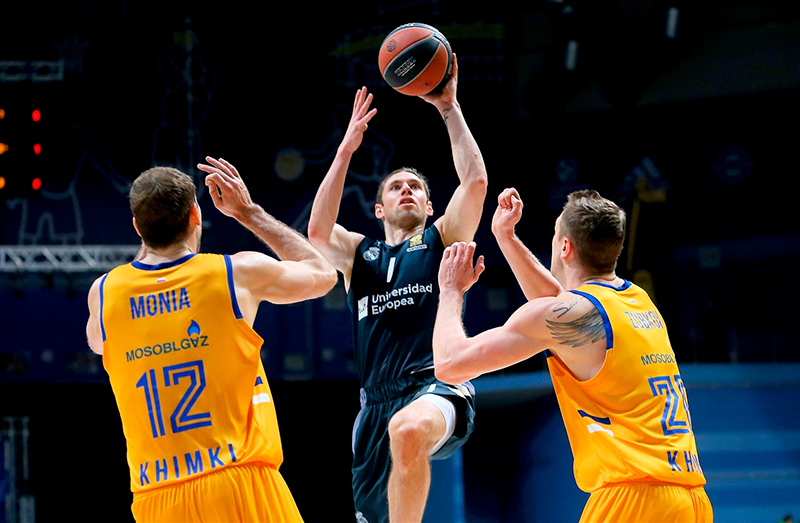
413 431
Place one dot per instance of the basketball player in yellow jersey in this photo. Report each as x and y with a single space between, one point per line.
175 331
618 386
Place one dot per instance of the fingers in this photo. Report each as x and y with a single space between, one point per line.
213 190
362 114
448 253
507 194
516 204
480 266
461 252
230 168
363 121
456 269
222 176
509 199
359 96
362 102
220 166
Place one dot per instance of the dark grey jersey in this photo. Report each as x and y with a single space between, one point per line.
393 296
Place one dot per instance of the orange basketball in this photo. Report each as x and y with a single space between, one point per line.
415 59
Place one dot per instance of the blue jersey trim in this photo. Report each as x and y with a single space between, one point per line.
604 421
625 285
606 321
229 267
102 326
165 265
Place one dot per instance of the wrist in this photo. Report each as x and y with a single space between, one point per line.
249 214
505 236
447 106
344 152
449 293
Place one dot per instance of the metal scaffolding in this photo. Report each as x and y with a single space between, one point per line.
64 258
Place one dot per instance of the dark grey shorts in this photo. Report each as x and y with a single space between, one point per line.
371 454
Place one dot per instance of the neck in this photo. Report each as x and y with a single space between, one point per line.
608 279
577 278
166 254
395 236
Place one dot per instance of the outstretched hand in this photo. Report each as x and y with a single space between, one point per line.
456 271
359 119
507 214
226 187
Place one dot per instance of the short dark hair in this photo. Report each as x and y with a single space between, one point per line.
596 226
415 172
161 198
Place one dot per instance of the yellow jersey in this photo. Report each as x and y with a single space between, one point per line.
185 368
631 421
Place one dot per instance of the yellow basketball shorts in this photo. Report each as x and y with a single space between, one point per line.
651 503
251 492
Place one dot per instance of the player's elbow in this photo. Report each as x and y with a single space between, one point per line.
445 368
478 183
446 372
331 277
318 235
94 338
315 238
442 373
325 280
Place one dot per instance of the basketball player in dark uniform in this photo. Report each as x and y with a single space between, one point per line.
407 416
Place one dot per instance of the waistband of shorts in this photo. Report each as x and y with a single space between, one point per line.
227 468
390 390
651 483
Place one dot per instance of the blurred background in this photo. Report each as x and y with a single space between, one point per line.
684 112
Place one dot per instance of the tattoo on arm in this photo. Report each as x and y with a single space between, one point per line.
564 308
582 331
445 115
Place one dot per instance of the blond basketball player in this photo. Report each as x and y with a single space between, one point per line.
618 386
175 331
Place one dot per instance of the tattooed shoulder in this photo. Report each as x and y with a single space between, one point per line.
581 331
563 308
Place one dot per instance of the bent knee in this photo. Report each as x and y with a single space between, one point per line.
411 436
405 427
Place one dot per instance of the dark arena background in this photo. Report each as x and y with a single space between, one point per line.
684 112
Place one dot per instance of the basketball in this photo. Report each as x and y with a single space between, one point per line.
415 59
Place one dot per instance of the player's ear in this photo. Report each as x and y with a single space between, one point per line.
429 209
567 249
195 215
136 228
379 211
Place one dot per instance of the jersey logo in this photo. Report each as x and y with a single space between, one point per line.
415 243
371 254
363 307
597 427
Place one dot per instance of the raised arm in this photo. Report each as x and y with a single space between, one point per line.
336 243
463 213
533 277
456 357
302 272
567 324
